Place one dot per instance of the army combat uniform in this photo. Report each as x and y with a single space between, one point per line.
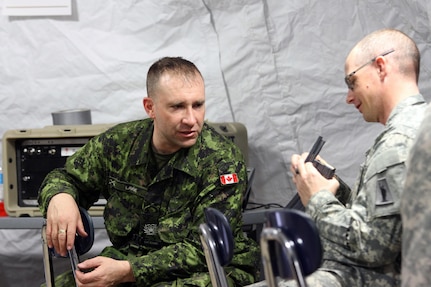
153 212
362 239
416 211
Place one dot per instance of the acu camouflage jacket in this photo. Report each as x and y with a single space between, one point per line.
362 240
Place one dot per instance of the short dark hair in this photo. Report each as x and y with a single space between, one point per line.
174 65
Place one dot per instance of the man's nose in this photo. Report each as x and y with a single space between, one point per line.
349 96
189 116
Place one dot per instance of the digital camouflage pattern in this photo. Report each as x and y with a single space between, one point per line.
152 217
362 239
416 211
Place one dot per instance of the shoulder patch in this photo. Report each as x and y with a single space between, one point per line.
383 193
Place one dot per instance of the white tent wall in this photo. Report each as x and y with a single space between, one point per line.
276 66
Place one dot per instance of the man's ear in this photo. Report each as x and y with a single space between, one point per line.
381 66
149 107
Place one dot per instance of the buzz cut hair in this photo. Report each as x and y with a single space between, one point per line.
176 66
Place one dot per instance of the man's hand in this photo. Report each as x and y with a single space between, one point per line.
308 180
63 220
105 272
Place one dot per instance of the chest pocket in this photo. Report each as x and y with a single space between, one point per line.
384 182
123 207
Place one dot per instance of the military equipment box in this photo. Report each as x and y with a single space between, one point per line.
28 156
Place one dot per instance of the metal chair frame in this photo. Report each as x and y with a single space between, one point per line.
294 239
275 234
218 250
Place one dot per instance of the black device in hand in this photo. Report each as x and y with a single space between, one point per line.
326 171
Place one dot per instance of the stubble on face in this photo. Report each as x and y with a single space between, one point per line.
179 111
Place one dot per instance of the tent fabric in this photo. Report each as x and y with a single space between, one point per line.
276 66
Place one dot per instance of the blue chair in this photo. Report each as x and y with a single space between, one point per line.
82 245
218 245
290 246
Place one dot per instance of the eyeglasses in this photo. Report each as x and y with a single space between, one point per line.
350 84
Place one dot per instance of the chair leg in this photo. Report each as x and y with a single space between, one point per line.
275 234
216 271
47 261
74 261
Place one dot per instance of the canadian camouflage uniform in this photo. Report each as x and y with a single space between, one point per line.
152 216
362 239
416 211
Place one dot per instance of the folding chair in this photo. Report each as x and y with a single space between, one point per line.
218 245
82 245
290 246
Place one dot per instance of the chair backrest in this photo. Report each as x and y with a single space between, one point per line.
291 246
217 243
235 131
84 244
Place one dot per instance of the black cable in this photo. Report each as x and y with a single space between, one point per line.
262 205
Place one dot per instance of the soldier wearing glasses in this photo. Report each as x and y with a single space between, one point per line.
361 238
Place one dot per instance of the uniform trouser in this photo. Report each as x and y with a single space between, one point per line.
197 279
317 279
67 280
335 278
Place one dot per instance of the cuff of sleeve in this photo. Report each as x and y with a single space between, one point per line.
139 271
44 202
317 201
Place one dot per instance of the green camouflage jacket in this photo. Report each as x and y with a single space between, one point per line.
152 217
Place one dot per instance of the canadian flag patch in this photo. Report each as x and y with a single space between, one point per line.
228 178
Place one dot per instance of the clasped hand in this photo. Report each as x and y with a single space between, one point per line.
105 272
62 223
308 180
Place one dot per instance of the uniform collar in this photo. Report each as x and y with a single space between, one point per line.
185 160
409 101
